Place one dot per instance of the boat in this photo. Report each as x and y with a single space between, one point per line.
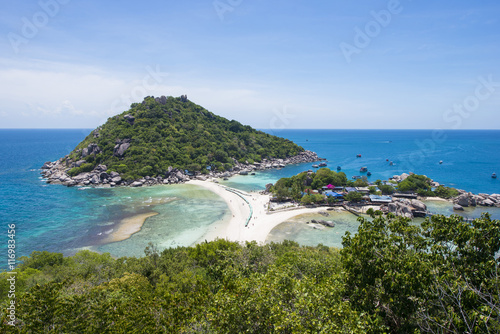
322 164
358 156
339 168
440 162
363 169
369 173
494 175
315 166
356 177
391 163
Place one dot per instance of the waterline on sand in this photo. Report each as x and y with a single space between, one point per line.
128 227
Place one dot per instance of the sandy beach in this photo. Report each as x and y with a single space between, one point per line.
128 227
261 222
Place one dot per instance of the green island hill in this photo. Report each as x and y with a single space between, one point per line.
167 140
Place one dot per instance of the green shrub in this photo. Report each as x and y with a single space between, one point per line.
85 167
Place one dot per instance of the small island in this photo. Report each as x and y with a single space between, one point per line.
167 140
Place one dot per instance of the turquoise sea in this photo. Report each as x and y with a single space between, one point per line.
57 218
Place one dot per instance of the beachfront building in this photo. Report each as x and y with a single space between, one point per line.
380 199
363 190
334 194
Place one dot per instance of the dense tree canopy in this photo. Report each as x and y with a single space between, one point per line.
390 277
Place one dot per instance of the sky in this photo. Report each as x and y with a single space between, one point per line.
367 64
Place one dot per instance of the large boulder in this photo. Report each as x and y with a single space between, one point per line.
95 179
458 207
488 202
129 118
136 184
418 205
79 163
114 174
116 179
120 147
80 178
463 200
393 207
92 148
179 175
47 165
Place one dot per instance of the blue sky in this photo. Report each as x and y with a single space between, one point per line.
270 64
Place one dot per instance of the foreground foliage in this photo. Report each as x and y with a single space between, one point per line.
391 277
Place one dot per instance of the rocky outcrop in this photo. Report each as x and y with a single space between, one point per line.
92 148
466 199
399 178
418 205
458 207
130 119
323 222
120 147
57 171
161 100
406 208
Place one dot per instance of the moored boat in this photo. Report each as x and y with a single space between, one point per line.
339 168
363 169
315 166
494 175
369 173
358 156
323 164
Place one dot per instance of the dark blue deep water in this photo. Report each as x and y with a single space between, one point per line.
56 218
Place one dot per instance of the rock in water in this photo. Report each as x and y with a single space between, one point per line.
136 184
418 205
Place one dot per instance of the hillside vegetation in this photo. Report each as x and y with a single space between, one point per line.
173 132
390 277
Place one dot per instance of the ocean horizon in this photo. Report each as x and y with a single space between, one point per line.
60 219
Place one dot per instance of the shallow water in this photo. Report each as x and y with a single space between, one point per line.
298 230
